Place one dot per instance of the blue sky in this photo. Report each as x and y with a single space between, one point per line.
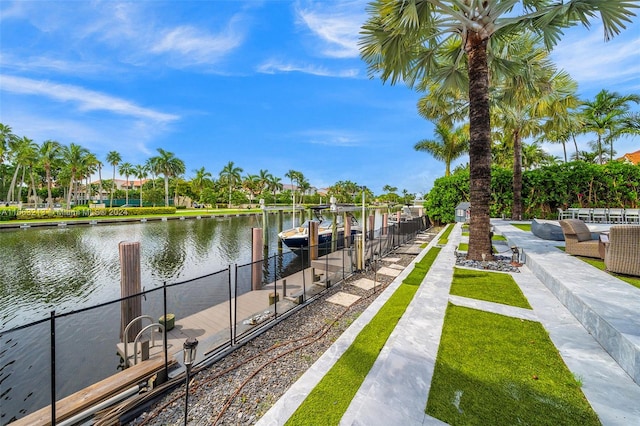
274 85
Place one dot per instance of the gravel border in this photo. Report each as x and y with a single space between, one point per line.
240 388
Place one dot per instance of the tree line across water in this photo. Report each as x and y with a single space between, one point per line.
62 175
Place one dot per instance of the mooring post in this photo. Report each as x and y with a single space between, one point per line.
334 233
385 223
372 223
359 239
256 258
130 284
347 230
313 240
265 223
280 226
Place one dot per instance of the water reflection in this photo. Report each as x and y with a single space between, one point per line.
74 267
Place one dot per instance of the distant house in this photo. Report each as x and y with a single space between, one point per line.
631 158
463 212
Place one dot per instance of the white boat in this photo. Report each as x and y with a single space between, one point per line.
297 238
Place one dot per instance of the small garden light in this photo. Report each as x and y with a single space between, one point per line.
189 356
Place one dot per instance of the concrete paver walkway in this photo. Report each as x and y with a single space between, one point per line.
396 389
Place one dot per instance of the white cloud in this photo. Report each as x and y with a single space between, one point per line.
274 66
336 25
86 100
135 33
188 45
330 138
591 61
47 64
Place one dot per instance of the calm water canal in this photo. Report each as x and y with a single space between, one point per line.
69 268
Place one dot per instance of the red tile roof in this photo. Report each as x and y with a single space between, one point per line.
632 157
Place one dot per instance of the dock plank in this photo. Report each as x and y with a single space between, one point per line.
94 394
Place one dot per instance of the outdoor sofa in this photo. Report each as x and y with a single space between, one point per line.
577 237
622 254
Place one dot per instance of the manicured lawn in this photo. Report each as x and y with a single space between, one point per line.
465 247
494 238
178 213
490 286
496 370
444 238
328 401
523 226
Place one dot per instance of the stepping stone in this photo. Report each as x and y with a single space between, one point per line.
389 271
398 267
391 259
365 283
343 299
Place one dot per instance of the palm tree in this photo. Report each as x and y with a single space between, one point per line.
170 166
50 154
99 165
73 156
304 186
263 179
6 136
200 181
230 175
414 40
21 150
609 118
126 169
152 167
90 164
274 185
251 183
113 158
449 144
140 171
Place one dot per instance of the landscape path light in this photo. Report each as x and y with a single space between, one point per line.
189 356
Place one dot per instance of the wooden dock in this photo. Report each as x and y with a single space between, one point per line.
211 326
88 397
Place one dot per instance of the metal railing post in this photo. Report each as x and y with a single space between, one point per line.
53 366
164 333
230 318
235 306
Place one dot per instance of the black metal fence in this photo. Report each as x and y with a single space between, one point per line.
47 360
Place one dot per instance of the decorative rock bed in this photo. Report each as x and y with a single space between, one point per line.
501 263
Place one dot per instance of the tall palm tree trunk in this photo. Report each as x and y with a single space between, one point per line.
100 183
480 149
12 186
70 190
49 195
166 191
516 209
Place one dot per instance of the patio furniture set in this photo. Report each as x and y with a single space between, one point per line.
601 215
619 247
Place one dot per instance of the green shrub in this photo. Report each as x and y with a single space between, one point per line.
8 213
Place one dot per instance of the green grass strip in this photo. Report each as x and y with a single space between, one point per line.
523 226
497 370
490 286
444 238
328 401
465 247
